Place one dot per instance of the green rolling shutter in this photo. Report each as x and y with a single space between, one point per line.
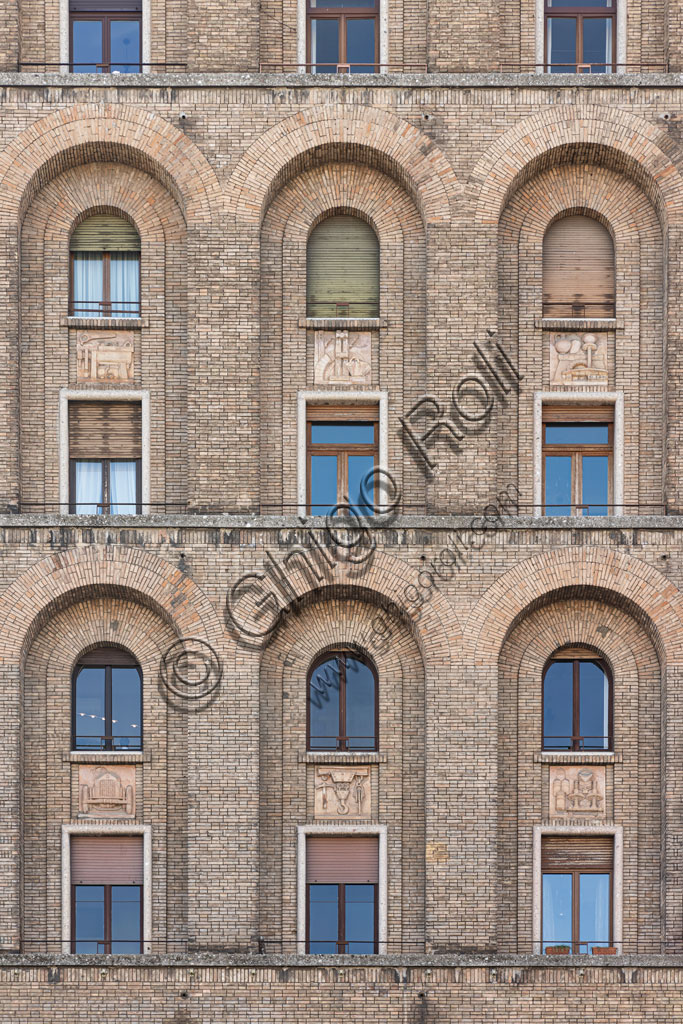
104 233
343 269
578 268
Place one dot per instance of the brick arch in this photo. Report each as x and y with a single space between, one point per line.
591 134
359 134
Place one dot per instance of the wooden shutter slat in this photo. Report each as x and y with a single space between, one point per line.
572 853
105 430
337 859
103 233
343 267
578 268
106 860
568 413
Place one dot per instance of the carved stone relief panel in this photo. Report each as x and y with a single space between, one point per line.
342 792
578 359
343 357
577 790
104 355
106 791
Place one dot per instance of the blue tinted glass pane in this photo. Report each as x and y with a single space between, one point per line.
558 706
126 706
124 278
360 484
593 706
322 5
324 45
89 712
323 696
323 484
88 497
123 488
595 476
89 918
323 918
561 34
577 433
597 44
87 46
580 3
342 433
359 924
558 485
557 910
125 919
88 283
125 46
360 45
593 911
360 705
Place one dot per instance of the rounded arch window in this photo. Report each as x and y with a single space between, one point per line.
342 269
107 701
105 268
577 702
342 703
578 269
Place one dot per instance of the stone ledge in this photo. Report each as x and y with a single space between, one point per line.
342 757
103 323
575 757
324 323
106 756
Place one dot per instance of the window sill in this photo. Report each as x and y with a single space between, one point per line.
342 757
576 757
339 323
579 323
107 756
104 323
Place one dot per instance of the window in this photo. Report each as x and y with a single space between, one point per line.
105 450
579 36
106 894
107 702
578 269
577 892
105 36
342 703
577 704
342 269
342 876
343 36
105 268
342 447
577 460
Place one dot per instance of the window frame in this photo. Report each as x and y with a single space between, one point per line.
575 657
107 941
106 310
575 873
106 17
578 416
580 12
342 738
341 919
343 15
342 451
105 505
107 664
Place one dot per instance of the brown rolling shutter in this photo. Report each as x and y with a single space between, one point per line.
105 234
105 430
106 860
342 275
578 269
572 853
336 859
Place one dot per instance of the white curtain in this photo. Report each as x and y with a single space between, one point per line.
125 283
87 283
122 483
88 488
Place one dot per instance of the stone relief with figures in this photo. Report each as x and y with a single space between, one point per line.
343 357
342 792
106 792
578 359
577 790
105 355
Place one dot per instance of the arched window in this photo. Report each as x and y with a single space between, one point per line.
105 268
577 702
342 269
578 269
342 703
107 701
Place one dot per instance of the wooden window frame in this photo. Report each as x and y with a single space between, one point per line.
341 940
106 663
341 414
342 739
105 306
107 941
576 658
576 870
579 415
105 505
343 15
106 18
580 13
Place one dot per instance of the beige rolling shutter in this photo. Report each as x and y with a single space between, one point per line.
106 860
578 269
572 853
343 269
336 859
105 234
105 430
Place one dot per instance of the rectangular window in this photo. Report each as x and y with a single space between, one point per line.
105 451
343 36
578 445
342 875
579 36
577 873
105 36
342 449
106 894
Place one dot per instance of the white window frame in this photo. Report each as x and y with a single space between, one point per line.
306 399
64 36
108 830
617 832
302 28
67 395
580 398
303 832
620 40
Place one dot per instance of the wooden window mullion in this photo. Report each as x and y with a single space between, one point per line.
108 730
107 919
575 912
341 918
576 714
106 284
343 739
